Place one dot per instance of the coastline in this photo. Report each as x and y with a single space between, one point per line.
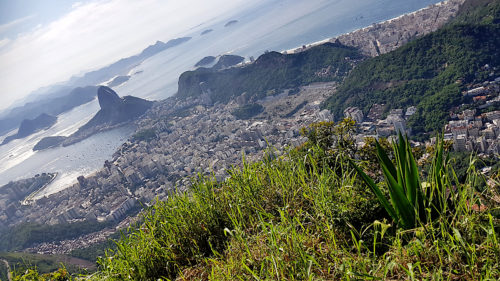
370 39
31 198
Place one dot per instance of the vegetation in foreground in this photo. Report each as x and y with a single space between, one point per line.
26 262
308 215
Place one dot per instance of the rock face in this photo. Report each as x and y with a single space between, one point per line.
29 127
108 99
381 38
115 112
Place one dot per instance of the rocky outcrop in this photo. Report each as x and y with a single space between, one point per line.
29 127
205 61
381 38
115 112
108 99
43 121
226 61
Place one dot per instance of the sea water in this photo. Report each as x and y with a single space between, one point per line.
269 25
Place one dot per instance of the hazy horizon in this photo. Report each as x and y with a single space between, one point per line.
37 43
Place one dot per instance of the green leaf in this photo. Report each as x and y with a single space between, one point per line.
385 159
414 184
400 202
380 196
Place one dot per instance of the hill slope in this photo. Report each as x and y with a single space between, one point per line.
273 70
426 72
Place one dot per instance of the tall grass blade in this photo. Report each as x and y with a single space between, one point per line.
380 196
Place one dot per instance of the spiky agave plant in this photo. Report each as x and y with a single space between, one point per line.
409 203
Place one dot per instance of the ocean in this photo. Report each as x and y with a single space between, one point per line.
269 25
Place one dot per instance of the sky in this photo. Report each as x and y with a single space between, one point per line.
49 41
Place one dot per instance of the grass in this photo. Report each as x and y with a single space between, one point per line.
23 262
295 218
412 204
306 215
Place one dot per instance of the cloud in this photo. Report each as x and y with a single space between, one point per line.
7 26
4 42
76 5
96 34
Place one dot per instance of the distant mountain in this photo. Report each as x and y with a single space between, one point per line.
50 105
75 92
123 66
29 127
114 112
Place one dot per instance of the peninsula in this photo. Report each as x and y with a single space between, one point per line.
115 112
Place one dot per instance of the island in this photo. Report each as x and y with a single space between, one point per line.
49 142
29 127
206 31
230 23
118 80
205 61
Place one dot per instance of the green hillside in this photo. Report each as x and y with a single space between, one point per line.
429 72
272 71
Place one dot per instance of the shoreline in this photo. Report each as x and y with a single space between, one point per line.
31 198
430 8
